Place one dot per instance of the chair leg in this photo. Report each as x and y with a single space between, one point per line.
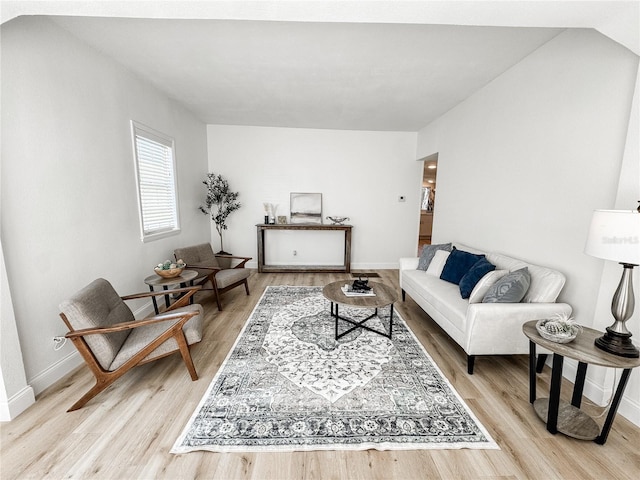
217 294
246 286
186 355
95 390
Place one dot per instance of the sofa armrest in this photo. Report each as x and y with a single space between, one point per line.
496 328
409 263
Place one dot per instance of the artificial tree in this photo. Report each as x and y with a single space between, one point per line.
220 203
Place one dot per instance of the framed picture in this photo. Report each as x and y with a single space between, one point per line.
282 219
306 208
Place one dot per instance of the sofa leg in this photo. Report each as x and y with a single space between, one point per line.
542 358
404 295
470 361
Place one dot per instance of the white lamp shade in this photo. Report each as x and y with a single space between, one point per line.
615 235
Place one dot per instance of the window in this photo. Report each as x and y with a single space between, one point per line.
156 179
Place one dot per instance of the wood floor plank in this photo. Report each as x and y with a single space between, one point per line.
126 432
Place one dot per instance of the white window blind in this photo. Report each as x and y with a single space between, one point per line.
156 178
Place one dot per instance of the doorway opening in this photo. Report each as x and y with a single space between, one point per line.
428 198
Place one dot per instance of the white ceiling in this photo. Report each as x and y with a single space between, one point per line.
339 65
315 75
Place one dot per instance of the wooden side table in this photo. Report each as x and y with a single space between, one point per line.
558 414
187 276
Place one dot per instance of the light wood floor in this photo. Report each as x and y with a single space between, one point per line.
127 431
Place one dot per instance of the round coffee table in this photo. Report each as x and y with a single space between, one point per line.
157 280
384 296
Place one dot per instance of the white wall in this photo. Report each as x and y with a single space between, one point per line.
69 202
360 175
524 162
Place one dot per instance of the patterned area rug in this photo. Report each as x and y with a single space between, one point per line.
287 385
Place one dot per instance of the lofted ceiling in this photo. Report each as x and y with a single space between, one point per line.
312 75
358 65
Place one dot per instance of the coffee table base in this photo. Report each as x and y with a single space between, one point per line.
360 324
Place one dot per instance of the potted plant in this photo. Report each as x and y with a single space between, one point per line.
219 204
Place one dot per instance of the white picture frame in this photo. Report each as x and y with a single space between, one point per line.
306 208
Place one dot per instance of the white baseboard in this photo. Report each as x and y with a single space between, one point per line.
17 404
55 372
354 266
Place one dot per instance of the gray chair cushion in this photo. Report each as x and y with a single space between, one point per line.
198 255
224 278
99 305
142 336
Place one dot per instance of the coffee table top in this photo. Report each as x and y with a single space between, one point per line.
385 295
184 277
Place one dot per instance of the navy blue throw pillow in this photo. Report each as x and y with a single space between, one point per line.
458 263
474 275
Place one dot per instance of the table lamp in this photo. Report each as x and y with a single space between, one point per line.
615 235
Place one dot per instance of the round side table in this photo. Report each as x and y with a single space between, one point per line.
187 276
561 416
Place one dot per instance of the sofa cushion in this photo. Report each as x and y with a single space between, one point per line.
509 289
546 283
473 276
437 264
443 297
428 252
482 287
458 264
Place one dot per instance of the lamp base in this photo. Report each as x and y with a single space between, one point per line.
617 344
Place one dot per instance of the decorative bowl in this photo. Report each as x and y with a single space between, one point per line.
338 220
558 331
169 270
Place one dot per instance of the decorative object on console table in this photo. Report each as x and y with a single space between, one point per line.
270 210
282 219
614 235
219 204
306 208
338 220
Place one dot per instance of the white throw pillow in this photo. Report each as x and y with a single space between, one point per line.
482 287
437 264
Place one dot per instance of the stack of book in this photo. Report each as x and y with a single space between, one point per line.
349 291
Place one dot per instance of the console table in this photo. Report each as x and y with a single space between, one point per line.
559 415
262 267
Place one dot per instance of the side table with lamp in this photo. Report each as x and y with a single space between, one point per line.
613 235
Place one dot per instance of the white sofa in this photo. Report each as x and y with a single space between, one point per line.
484 328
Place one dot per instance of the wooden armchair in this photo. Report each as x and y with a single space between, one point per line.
202 259
112 341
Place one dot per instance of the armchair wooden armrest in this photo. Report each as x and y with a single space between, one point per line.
205 267
119 327
191 290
